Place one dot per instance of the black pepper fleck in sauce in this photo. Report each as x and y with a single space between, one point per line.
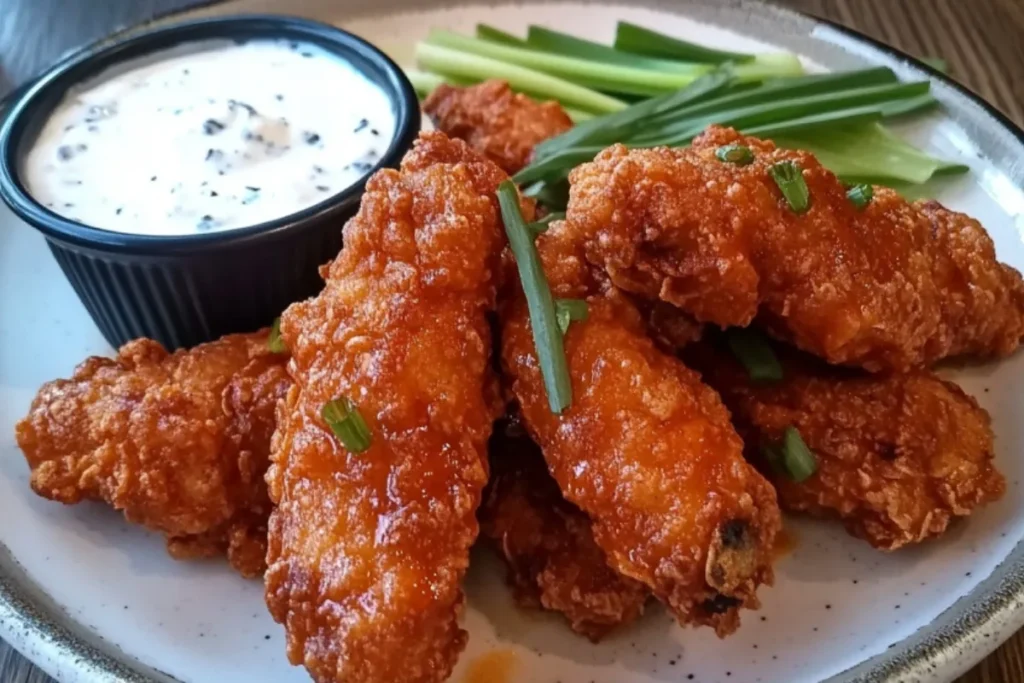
205 224
212 126
251 110
310 138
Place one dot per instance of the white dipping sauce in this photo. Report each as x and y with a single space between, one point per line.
213 136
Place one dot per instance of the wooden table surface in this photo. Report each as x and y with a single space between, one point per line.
981 40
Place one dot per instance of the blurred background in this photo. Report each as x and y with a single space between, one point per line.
980 40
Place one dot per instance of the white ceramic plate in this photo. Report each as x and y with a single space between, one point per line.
91 598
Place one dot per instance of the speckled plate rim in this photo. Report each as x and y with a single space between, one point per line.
954 642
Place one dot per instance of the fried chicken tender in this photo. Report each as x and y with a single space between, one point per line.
889 287
367 550
178 442
899 456
501 125
647 452
548 544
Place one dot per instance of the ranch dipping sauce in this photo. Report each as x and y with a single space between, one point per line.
208 137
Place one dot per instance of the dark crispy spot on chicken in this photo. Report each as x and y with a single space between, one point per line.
734 534
720 604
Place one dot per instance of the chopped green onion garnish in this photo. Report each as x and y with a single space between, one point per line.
546 335
792 458
347 423
735 154
790 180
568 310
274 342
752 349
860 195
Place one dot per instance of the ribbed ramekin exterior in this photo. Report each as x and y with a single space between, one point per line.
182 300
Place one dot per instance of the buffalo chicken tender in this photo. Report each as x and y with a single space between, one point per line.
899 456
646 451
890 286
548 543
502 125
368 548
178 442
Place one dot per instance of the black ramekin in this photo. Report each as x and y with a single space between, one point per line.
184 290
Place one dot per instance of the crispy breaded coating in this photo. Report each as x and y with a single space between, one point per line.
547 542
647 452
178 442
502 125
899 456
869 287
367 550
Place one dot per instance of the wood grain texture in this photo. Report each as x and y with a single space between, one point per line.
980 39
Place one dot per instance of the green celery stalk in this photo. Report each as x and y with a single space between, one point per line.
425 83
771 65
637 39
496 35
578 115
609 77
868 151
546 40
453 63
422 82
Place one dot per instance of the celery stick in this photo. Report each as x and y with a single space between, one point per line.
609 77
578 115
496 35
867 151
448 62
546 40
633 38
768 66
